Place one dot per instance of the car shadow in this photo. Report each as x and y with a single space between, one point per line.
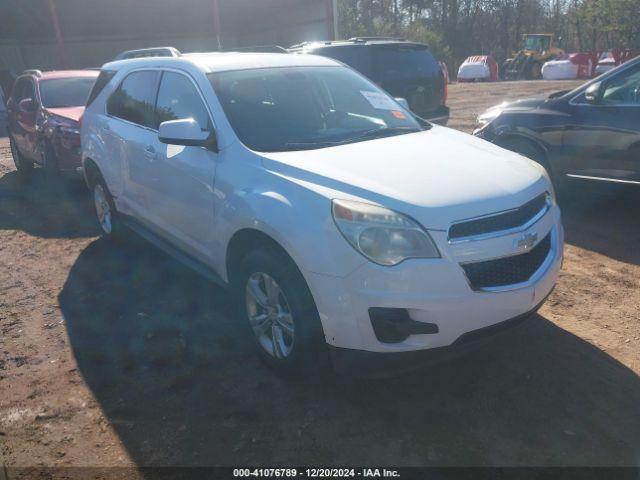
58 208
604 219
173 368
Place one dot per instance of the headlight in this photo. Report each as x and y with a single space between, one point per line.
68 130
382 235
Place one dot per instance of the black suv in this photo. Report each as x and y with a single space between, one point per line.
404 69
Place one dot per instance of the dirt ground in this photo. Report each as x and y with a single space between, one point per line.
121 356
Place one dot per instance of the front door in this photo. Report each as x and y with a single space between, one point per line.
603 138
22 122
182 200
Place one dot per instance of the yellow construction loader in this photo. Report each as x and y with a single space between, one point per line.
526 64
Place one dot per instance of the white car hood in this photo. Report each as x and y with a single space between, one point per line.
437 176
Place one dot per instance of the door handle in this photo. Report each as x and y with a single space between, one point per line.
150 152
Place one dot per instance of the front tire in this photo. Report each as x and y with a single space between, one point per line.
281 313
49 162
105 209
23 166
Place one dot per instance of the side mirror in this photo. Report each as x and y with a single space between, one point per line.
592 94
186 132
403 102
27 105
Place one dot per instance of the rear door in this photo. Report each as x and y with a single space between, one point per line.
132 136
602 140
182 198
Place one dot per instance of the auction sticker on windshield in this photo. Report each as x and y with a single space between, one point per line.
379 100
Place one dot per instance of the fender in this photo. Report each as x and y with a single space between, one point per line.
316 246
522 132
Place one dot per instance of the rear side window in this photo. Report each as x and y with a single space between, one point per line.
179 99
103 79
357 57
134 99
403 62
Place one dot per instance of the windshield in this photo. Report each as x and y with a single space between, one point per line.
65 92
537 43
296 108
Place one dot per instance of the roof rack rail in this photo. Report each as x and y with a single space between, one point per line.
33 71
259 49
373 39
149 52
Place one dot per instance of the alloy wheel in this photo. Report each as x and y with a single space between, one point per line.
269 314
103 209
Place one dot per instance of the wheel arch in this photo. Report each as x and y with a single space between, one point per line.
536 143
91 171
245 240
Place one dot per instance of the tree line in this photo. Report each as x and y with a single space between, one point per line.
455 29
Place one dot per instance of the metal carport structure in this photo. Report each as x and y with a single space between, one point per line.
50 34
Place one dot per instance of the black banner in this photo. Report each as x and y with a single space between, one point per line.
404 473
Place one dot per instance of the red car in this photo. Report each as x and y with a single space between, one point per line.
44 113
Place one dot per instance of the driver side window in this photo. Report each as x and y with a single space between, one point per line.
623 90
23 89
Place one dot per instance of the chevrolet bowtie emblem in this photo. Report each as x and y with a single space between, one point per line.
526 241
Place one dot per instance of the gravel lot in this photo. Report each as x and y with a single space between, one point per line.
121 356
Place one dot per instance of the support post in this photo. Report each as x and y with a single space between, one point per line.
62 54
215 6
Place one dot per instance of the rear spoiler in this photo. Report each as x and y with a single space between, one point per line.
149 52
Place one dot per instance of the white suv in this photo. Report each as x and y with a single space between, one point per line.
337 216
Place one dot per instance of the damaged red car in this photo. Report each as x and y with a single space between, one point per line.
44 113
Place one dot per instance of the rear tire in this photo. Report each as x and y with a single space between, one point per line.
23 166
280 311
535 71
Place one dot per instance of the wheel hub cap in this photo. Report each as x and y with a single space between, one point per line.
269 315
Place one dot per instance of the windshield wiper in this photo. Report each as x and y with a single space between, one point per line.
310 145
379 133
366 135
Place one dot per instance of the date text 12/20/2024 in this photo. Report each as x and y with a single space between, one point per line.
316 472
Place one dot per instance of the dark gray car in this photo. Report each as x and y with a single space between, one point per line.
591 133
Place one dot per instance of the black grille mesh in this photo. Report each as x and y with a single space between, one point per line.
508 270
502 221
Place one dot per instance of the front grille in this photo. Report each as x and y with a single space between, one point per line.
508 270
500 221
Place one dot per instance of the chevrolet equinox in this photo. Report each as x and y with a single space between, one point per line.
344 224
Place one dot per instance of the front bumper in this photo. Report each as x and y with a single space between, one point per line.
434 291
365 364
